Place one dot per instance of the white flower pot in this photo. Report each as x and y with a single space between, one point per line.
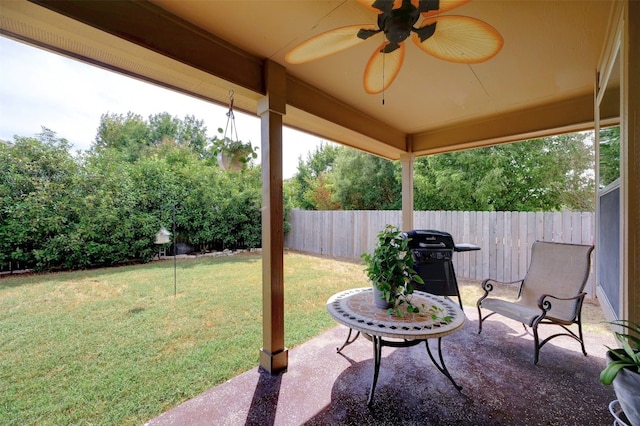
379 299
627 388
229 162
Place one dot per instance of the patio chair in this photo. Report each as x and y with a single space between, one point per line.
551 292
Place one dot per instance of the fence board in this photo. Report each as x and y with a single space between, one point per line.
505 238
566 226
527 221
499 271
485 242
514 244
471 220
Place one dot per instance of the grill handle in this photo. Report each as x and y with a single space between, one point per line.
432 246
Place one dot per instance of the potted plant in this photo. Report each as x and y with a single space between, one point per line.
390 269
232 154
623 369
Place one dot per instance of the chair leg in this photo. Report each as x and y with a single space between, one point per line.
481 319
536 342
584 351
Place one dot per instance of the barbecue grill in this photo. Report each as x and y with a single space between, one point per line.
433 254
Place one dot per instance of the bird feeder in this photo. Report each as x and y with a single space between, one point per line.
163 236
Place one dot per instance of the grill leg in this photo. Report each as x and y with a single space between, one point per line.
454 280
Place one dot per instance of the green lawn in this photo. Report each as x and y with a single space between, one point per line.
114 346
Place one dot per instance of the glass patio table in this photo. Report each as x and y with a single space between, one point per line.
356 309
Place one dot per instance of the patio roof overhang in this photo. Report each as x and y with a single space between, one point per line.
540 83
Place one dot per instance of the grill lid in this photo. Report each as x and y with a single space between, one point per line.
430 239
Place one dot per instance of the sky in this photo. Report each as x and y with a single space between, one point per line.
39 88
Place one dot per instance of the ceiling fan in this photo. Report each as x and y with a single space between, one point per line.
453 38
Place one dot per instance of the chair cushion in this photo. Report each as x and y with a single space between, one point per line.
514 310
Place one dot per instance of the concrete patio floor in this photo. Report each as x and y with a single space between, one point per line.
500 384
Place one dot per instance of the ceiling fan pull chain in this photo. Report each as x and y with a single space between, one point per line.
383 88
383 79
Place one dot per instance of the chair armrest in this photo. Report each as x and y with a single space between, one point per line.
545 304
542 302
487 286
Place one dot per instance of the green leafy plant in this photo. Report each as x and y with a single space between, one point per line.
626 357
236 149
390 269
435 312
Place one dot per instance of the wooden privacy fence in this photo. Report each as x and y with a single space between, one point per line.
505 238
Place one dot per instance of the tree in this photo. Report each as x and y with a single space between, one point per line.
131 135
542 174
335 177
193 133
163 126
365 182
128 134
104 206
188 132
553 173
312 182
609 155
37 198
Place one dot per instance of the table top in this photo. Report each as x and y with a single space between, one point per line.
356 309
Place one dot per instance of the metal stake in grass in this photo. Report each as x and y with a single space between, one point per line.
175 280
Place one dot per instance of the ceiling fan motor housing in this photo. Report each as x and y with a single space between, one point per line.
397 24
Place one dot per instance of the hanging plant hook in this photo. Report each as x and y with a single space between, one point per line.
231 120
232 153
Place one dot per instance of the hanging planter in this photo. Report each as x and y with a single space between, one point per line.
229 162
231 152
233 155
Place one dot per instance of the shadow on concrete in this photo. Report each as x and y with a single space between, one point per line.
264 404
500 384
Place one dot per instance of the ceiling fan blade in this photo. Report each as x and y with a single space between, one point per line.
426 6
383 68
381 6
384 6
444 5
461 39
326 44
365 34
